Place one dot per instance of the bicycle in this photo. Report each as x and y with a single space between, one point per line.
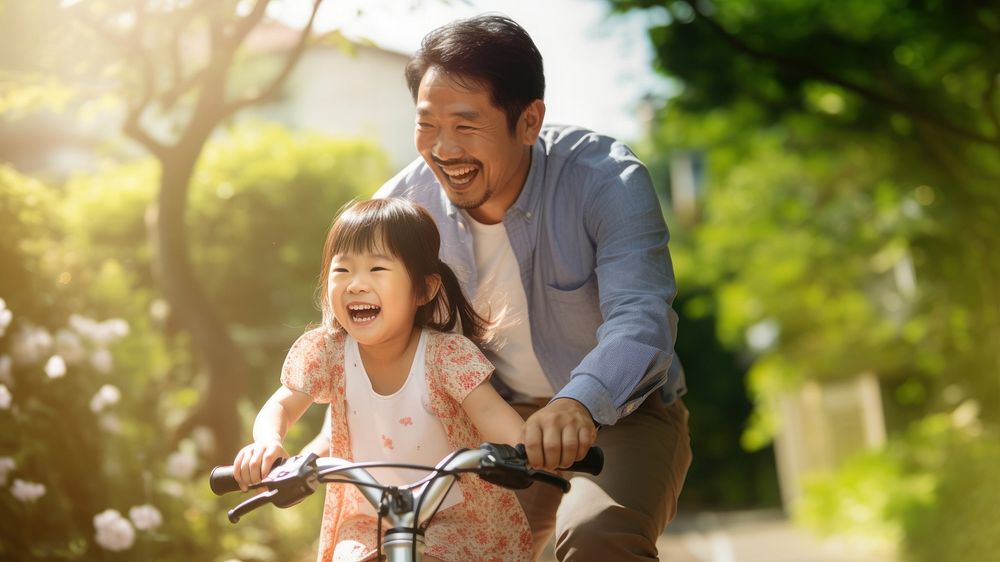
408 508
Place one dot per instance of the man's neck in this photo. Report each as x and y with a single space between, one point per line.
493 210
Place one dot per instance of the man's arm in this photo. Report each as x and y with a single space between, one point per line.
635 342
636 286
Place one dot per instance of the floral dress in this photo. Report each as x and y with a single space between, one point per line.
488 525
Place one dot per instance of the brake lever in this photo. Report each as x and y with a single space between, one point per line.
549 478
288 484
251 504
294 480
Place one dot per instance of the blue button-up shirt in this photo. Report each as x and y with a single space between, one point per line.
589 237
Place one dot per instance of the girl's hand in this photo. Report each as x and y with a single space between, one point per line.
255 461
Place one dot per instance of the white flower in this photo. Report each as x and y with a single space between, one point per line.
102 361
181 464
116 328
83 325
108 395
27 492
203 439
110 423
31 344
145 517
5 317
159 310
7 464
114 532
99 333
5 397
69 346
55 367
6 367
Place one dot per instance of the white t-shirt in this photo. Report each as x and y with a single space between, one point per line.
396 428
500 297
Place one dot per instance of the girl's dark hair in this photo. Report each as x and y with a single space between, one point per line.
487 50
406 231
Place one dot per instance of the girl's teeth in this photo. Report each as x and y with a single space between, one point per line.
363 312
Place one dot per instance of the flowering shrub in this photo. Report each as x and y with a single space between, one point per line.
95 378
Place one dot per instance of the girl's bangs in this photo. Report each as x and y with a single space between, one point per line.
362 233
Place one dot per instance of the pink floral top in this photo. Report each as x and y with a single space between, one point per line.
488 525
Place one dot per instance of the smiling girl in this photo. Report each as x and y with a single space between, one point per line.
401 388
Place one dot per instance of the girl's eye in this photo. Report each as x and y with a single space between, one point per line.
340 270
379 268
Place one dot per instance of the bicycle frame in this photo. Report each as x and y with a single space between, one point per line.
403 502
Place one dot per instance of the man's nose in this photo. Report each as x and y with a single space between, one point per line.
446 146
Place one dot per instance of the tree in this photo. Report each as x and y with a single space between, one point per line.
173 63
874 110
848 218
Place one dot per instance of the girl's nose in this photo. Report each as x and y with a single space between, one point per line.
357 285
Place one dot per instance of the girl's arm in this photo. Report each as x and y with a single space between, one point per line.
496 421
281 410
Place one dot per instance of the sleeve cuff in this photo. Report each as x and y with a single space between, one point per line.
590 392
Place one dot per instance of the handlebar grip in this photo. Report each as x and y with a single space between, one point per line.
222 481
591 463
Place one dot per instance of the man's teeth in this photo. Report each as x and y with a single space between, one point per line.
459 174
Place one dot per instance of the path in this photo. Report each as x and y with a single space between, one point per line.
753 536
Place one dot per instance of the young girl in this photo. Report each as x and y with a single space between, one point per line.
401 388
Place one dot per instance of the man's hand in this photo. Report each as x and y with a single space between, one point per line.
559 434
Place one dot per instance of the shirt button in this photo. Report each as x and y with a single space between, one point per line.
630 408
528 214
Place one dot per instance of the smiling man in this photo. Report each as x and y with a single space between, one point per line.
556 232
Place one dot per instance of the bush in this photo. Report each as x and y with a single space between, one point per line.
961 523
91 380
928 496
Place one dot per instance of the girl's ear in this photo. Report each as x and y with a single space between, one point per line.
433 286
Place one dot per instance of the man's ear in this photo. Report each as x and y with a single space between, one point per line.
529 125
433 286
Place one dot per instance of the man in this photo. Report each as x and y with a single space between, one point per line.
557 233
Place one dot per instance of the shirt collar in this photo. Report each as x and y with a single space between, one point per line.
532 190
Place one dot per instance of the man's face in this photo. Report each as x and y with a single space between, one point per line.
465 140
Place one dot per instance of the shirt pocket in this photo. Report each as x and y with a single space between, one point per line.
576 313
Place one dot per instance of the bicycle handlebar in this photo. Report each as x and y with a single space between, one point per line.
290 482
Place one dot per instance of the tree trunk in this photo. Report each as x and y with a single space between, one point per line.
213 347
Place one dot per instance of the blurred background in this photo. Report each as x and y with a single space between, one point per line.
829 172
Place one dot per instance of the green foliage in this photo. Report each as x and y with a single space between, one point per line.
98 437
931 490
961 523
261 204
846 224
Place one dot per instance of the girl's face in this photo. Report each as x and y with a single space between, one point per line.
372 297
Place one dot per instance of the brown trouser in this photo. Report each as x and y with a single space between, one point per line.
617 515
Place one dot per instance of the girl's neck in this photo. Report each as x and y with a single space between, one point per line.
388 364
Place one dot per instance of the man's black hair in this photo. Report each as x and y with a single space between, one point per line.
487 50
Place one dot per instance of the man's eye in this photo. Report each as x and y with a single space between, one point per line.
466 128
424 126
